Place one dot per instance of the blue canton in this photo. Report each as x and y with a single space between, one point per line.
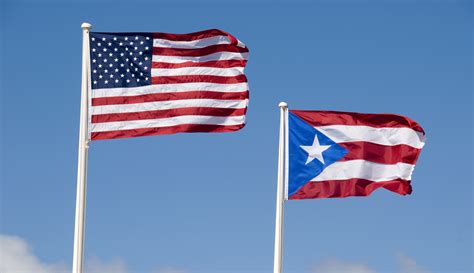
120 59
303 134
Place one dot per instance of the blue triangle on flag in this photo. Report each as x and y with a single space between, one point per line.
303 164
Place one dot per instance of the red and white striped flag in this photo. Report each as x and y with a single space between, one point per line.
146 84
340 154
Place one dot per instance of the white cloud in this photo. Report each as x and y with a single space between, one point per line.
94 265
334 265
169 270
16 256
408 265
405 264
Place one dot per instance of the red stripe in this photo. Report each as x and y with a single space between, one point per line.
350 187
218 64
190 36
323 118
198 78
170 96
194 52
186 128
380 153
157 114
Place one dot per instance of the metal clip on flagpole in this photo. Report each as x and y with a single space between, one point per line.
277 265
78 258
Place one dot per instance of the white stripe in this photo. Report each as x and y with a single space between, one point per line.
168 88
165 105
365 170
197 71
165 122
240 44
217 56
216 40
383 136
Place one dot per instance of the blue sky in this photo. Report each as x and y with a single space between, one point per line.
205 202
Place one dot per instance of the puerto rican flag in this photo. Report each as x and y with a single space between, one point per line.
340 154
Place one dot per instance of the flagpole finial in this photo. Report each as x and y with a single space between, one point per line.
86 25
283 104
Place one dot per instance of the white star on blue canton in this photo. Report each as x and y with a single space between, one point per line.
315 151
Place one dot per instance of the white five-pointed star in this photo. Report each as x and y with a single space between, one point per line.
315 151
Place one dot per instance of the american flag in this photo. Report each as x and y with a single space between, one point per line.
146 84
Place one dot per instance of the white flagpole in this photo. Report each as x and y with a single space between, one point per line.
78 258
277 265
